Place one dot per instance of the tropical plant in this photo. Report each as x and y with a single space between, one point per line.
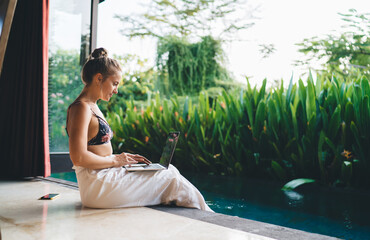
319 131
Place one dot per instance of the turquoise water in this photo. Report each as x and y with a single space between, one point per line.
318 210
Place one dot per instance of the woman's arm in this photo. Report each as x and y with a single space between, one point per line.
79 117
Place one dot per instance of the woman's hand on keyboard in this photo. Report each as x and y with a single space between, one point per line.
138 158
123 159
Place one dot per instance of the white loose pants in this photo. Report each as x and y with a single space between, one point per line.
116 188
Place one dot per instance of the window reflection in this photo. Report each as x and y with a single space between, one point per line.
69 46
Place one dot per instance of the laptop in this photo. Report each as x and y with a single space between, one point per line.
165 159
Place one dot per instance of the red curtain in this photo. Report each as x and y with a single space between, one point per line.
24 136
45 65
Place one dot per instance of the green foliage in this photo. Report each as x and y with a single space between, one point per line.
64 86
346 54
296 183
267 49
318 131
187 68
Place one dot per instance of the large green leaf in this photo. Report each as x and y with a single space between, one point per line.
290 91
294 120
365 87
260 118
296 183
261 94
311 99
249 112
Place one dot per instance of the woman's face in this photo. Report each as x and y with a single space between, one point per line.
110 86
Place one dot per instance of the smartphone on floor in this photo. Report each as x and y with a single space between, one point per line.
50 196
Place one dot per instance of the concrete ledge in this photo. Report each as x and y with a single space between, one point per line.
242 224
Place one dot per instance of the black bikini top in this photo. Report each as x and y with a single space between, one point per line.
105 133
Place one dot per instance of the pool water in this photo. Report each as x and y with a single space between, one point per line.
310 208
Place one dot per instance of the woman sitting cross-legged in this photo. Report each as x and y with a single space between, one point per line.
103 181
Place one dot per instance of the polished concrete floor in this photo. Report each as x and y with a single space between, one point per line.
24 216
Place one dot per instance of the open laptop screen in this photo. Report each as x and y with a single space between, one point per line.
169 148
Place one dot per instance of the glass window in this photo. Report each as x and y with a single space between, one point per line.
69 46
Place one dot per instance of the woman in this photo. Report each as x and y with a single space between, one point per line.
102 181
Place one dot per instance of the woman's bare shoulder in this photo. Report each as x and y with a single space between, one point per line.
79 109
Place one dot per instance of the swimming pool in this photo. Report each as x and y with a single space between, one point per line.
312 209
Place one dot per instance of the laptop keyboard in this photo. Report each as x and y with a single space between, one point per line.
153 166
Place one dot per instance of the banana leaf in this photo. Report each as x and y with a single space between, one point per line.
296 183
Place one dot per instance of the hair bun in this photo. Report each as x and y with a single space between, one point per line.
99 53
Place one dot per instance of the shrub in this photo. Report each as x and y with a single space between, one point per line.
318 131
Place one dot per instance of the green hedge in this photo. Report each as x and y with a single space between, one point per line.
318 130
